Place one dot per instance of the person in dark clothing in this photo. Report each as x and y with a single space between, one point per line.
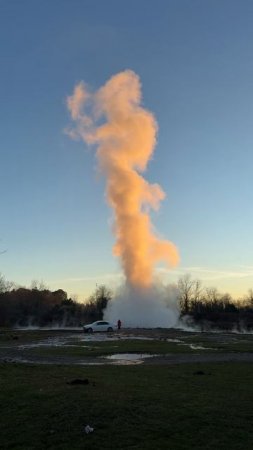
119 324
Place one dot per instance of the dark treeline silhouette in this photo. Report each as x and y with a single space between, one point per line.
38 306
210 309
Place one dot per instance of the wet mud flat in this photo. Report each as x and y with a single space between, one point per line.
127 347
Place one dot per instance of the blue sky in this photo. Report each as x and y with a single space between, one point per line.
195 61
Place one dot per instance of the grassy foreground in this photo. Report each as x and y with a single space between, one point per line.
130 407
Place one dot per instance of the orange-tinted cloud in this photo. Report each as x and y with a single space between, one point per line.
125 143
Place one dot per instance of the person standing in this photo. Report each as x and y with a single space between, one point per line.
119 324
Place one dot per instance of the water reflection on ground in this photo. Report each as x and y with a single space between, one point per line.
80 339
128 358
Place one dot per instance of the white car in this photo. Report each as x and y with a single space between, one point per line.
99 325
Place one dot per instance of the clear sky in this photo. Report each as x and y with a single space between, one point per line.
195 61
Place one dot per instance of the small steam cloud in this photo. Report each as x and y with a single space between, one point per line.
125 135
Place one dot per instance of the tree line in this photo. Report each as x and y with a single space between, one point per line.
39 306
210 309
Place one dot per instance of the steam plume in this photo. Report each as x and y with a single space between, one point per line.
125 135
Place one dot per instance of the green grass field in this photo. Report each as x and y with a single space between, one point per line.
130 407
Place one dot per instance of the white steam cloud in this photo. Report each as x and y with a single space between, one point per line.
124 134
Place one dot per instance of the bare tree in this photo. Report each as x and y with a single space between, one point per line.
2 283
248 299
5 286
216 301
39 285
212 295
189 292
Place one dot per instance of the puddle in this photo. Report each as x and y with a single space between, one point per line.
192 346
77 339
112 337
198 347
128 358
118 359
89 364
49 342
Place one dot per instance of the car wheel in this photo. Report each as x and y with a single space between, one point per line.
90 330
109 329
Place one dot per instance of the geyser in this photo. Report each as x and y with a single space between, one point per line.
124 133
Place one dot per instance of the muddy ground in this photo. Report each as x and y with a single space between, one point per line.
129 346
